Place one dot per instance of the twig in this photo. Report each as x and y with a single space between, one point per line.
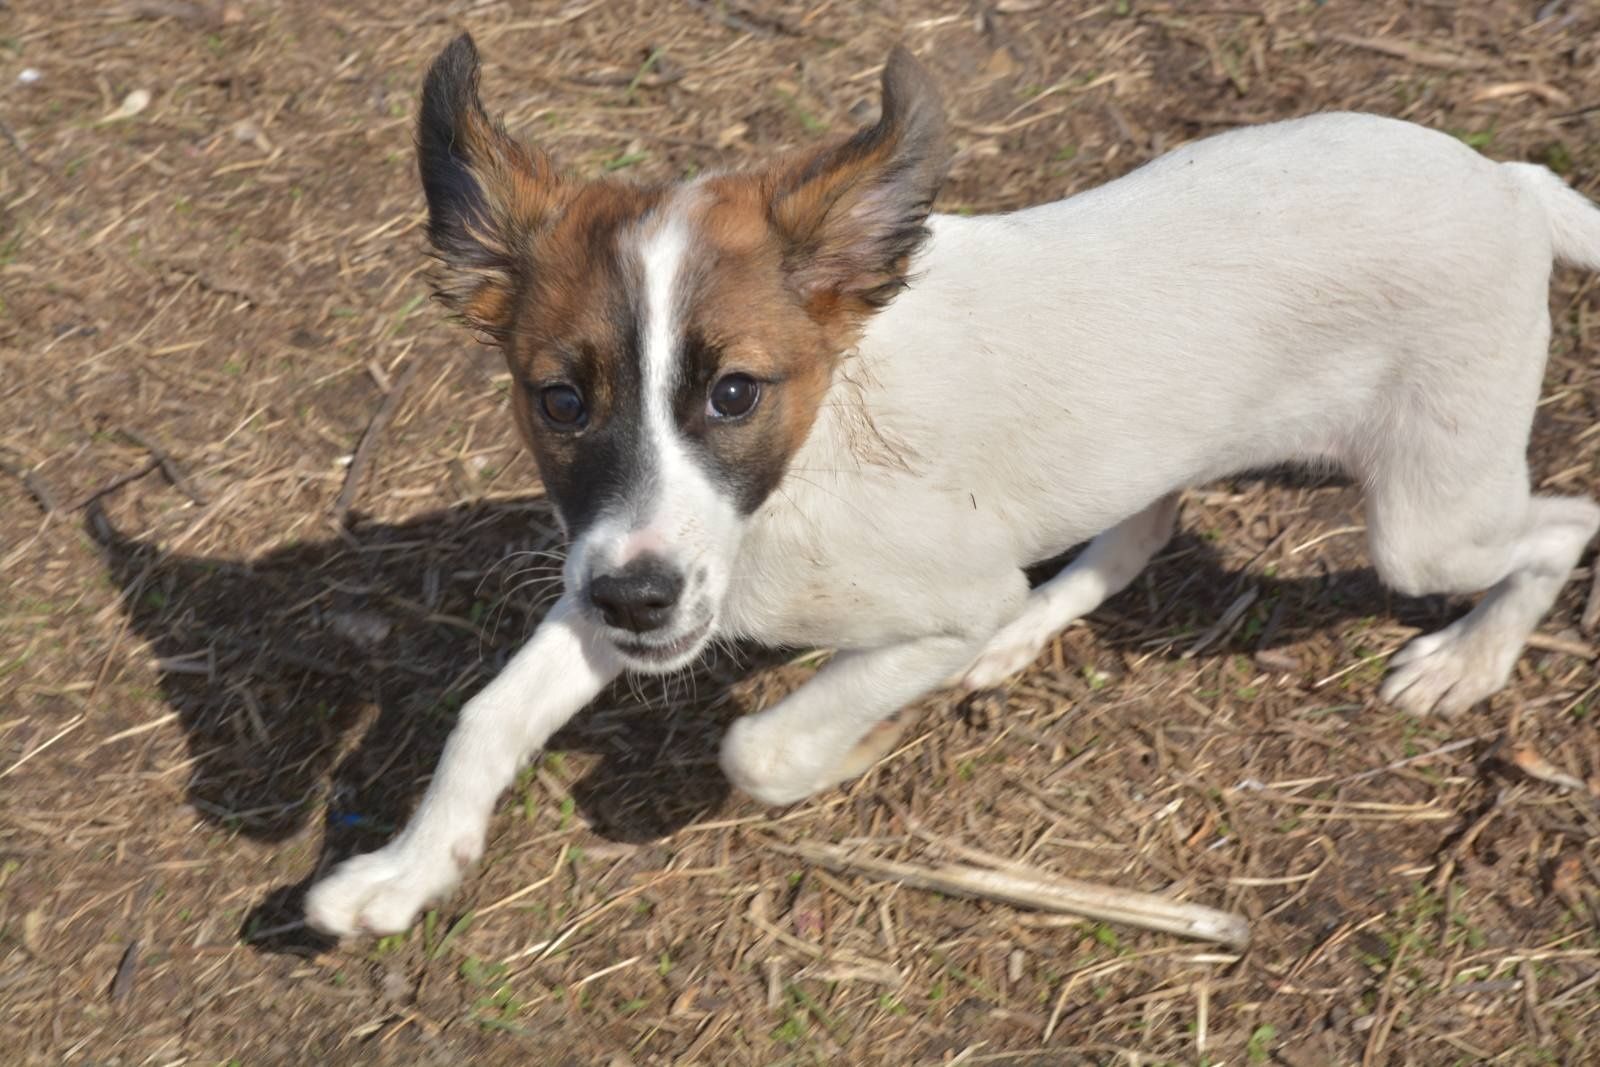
257 936
1146 911
1579 113
369 441
1222 626
122 981
159 460
169 469
743 19
117 483
33 484
1528 760
1385 1017
1530 1001
77 721
1552 643
1442 750
1464 843
1411 53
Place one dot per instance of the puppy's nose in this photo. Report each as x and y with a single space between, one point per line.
640 597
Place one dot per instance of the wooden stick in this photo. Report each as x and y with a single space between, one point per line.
1411 53
1223 625
169 469
1552 643
1591 611
1146 911
369 441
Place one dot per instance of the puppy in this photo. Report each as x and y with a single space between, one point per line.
791 405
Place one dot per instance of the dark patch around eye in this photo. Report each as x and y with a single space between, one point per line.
610 463
746 456
698 364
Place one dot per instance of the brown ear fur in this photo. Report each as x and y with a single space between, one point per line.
487 195
851 215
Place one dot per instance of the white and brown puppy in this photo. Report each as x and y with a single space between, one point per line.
790 405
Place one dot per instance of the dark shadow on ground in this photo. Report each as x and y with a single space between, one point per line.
320 680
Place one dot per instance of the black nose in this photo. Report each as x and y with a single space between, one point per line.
640 597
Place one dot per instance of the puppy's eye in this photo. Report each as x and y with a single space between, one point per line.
734 396
563 405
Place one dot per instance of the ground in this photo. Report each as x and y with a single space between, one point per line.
264 525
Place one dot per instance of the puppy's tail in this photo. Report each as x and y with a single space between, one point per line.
1574 218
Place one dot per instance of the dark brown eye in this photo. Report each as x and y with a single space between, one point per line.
734 396
562 405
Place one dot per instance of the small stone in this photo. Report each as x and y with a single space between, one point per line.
364 628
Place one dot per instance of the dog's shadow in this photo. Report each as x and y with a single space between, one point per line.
321 679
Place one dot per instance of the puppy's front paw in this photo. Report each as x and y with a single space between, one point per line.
381 892
769 765
777 768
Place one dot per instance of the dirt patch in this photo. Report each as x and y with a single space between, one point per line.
209 687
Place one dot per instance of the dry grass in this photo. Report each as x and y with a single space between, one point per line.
208 686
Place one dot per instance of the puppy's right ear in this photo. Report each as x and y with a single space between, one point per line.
487 195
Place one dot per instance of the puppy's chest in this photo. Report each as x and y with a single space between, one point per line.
802 602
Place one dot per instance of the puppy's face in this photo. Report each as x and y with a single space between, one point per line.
670 346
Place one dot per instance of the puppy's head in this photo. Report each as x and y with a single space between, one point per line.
670 345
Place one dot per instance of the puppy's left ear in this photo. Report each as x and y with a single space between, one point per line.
851 215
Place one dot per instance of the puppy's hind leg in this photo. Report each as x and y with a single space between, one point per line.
1450 512
1454 668
1111 561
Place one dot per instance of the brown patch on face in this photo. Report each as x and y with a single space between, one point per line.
804 252
744 312
577 322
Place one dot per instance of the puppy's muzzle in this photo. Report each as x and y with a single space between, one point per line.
640 598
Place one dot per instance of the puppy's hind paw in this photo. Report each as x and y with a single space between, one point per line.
1010 652
1449 671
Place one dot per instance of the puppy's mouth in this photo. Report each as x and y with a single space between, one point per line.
651 654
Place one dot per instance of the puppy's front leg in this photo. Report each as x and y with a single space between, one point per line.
823 732
555 674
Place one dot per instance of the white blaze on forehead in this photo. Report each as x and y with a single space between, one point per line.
663 249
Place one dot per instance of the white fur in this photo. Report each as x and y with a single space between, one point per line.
1111 561
1341 289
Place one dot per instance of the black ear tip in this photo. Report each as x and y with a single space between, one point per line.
900 56
462 51
452 76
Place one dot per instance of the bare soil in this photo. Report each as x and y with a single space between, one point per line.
233 636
